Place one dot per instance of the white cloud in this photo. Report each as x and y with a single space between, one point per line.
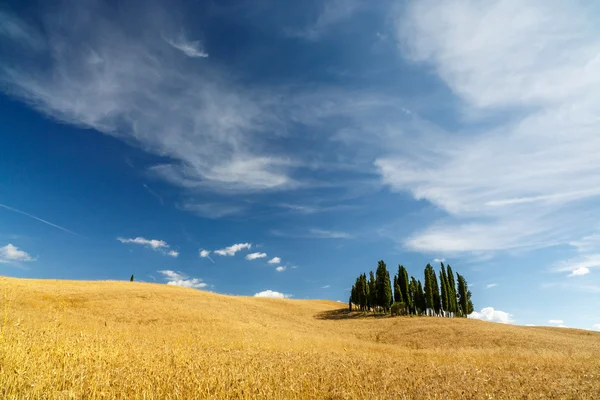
189 48
180 279
578 266
281 268
155 244
231 250
439 260
515 175
596 326
556 322
580 271
254 256
274 260
272 294
325 287
206 254
491 285
489 314
10 253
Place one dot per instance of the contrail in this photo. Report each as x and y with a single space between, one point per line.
39 219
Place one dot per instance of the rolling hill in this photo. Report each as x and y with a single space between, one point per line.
129 340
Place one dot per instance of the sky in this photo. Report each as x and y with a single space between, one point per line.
280 149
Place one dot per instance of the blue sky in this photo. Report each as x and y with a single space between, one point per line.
300 142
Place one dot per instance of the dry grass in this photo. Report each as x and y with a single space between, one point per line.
65 339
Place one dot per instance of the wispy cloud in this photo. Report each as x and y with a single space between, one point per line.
180 279
234 248
556 321
38 219
492 315
191 48
212 210
514 177
205 254
272 294
491 285
254 256
314 233
10 253
154 244
325 287
439 260
274 260
153 193
576 287
332 13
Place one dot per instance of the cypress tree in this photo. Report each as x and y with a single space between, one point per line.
372 291
464 296
384 287
131 279
420 298
452 291
404 284
397 292
414 294
437 303
364 292
429 301
444 282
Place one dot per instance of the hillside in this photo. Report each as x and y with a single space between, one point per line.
68 339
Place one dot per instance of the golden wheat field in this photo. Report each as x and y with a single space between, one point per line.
124 340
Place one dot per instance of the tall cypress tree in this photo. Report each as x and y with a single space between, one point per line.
372 291
364 292
404 283
452 291
414 295
437 303
384 287
429 302
464 296
397 292
444 282
421 298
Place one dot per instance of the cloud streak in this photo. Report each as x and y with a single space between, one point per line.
38 219
189 48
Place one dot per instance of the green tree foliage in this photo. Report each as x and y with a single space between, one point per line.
384 287
444 289
131 279
421 306
452 297
437 299
376 293
429 296
397 292
372 291
464 296
404 284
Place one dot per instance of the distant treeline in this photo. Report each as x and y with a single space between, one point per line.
448 298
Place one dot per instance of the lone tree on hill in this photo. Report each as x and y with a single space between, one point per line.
131 279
